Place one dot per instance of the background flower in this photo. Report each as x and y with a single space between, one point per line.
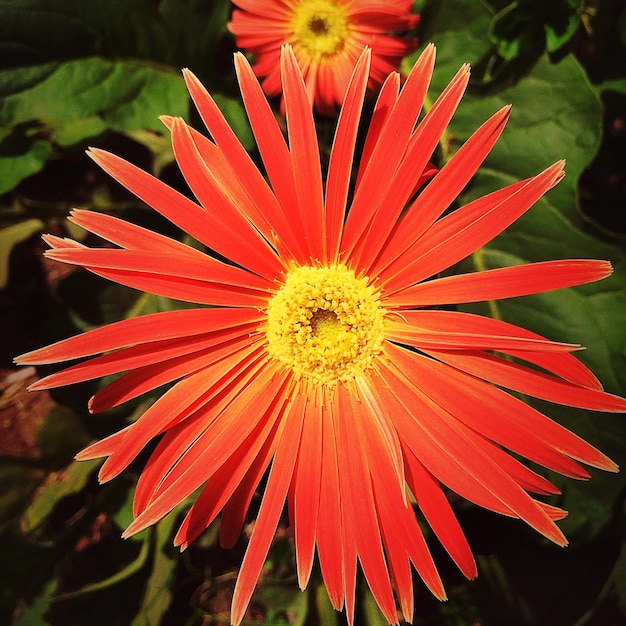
327 37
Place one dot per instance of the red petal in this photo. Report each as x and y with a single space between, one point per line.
147 328
446 449
439 514
306 491
386 156
451 330
503 282
228 477
263 199
342 155
519 378
501 417
454 237
271 508
304 154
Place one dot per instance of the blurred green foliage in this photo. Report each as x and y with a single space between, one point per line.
99 72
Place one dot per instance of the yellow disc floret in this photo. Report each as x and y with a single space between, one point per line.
325 324
320 26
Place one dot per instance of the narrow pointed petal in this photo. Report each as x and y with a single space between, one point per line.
505 282
385 102
501 417
267 208
172 276
234 513
452 238
411 170
379 172
209 432
306 491
447 183
274 152
342 155
172 407
360 519
102 448
178 209
128 235
441 444
330 524
139 356
147 328
304 154
269 513
528 381
450 330
439 515
240 240
192 471
444 325
223 483
142 380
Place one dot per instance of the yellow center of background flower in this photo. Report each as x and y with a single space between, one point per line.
320 26
325 324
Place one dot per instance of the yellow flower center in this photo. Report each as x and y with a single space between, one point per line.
325 324
320 26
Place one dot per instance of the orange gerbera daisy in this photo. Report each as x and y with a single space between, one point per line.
321 356
327 37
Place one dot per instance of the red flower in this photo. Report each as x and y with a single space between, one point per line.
327 37
322 355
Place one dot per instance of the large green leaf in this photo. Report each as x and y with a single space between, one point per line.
127 95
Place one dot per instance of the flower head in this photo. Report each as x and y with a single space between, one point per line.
327 37
323 357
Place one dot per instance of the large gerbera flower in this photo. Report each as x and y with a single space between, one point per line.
327 37
322 355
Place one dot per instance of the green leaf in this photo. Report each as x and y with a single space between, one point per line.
21 155
527 27
61 435
459 29
53 489
17 482
120 576
372 615
125 95
34 612
76 131
10 237
325 613
158 596
284 604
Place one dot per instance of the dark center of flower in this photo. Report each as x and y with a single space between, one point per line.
318 25
324 322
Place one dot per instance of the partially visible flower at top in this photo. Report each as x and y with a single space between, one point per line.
327 37
325 356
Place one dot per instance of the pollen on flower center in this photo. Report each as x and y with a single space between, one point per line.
321 26
325 324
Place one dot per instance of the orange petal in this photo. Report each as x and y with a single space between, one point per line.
504 282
